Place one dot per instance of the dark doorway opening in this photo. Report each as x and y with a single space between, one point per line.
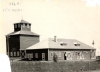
64 55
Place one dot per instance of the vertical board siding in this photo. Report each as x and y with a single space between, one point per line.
25 28
39 51
27 41
14 44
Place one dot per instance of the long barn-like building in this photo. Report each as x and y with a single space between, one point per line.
26 44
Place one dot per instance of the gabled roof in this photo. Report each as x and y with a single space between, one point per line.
45 44
23 21
49 43
22 33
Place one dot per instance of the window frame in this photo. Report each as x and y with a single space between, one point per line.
36 55
28 26
18 54
31 55
56 53
51 54
23 25
14 53
11 53
59 54
19 25
15 25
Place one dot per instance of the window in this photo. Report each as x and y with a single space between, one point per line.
36 55
14 53
28 26
17 53
69 55
15 25
59 54
27 55
51 54
23 25
56 53
11 53
85 52
18 25
31 55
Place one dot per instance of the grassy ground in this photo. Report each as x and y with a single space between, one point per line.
93 71
49 66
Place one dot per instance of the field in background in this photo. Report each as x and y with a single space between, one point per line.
61 66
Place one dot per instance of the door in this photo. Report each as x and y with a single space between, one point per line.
43 56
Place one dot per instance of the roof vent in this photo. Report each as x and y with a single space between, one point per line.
76 44
63 44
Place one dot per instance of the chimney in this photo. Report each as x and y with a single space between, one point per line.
55 38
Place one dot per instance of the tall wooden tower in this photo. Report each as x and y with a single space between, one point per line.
20 38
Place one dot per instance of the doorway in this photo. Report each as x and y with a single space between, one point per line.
64 55
43 56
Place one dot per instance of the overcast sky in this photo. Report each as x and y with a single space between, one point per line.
70 19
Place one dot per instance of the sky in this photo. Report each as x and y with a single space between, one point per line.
70 19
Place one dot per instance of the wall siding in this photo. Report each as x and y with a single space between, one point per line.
52 51
14 44
26 41
74 54
25 28
40 51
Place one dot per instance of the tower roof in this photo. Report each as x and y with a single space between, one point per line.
22 33
23 21
22 29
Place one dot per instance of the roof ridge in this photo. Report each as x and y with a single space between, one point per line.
63 38
66 39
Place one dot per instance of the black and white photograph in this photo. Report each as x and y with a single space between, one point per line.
49 35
